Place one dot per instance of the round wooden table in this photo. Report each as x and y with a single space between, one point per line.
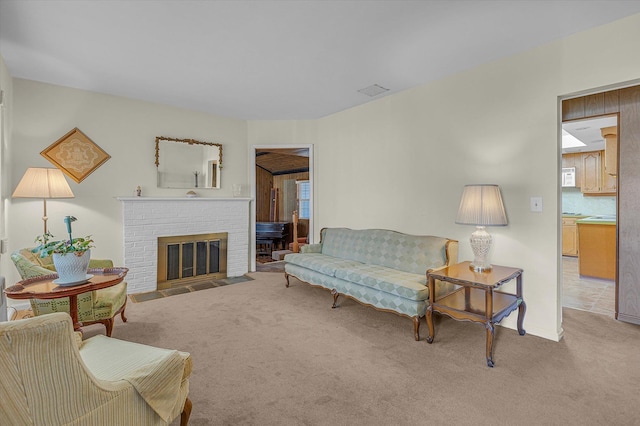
43 287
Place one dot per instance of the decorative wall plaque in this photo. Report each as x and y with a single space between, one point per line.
76 155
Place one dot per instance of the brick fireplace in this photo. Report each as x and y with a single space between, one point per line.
145 219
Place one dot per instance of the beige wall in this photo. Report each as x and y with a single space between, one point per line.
401 162
398 163
126 130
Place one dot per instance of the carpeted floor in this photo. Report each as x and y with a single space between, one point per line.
274 266
268 355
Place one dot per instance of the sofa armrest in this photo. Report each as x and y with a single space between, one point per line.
451 252
311 248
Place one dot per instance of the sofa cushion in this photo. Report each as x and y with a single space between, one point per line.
319 262
399 283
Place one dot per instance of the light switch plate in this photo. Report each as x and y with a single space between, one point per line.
536 204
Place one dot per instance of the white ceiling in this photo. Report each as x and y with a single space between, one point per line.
275 59
589 132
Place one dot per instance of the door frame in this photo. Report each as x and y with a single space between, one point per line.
252 179
619 235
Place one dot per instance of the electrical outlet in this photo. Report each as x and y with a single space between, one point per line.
4 245
536 204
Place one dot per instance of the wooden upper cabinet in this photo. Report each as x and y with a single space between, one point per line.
610 135
574 160
591 172
609 184
594 180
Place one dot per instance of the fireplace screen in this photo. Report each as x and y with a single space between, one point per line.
188 258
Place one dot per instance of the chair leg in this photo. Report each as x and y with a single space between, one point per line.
186 412
108 324
124 319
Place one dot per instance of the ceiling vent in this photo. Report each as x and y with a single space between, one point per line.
373 90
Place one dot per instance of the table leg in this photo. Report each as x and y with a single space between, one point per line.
490 331
73 311
489 324
430 324
522 308
432 297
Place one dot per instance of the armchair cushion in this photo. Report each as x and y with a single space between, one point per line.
46 379
156 373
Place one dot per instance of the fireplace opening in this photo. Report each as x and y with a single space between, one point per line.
185 259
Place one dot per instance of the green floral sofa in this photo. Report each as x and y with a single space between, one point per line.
376 267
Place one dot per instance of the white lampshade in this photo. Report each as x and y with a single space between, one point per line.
481 205
43 183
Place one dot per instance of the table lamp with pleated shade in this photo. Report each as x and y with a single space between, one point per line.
481 205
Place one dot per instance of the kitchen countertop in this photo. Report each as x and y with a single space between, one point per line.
598 220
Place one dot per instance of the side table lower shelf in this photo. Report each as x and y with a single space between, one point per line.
470 302
476 300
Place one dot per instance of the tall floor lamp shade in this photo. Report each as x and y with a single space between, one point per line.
481 205
43 183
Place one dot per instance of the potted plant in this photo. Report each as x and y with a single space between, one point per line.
70 257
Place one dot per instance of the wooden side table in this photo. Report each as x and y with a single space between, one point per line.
476 300
43 287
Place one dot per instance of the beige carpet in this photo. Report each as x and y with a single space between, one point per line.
269 355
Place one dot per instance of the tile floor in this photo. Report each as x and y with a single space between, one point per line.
587 294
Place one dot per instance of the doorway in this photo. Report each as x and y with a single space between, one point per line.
589 213
282 177
625 103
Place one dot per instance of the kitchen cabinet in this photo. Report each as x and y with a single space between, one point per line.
594 180
574 160
569 236
591 172
597 249
610 135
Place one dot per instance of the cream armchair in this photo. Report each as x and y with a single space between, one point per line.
100 306
49 377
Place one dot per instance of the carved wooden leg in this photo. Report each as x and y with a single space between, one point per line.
108 324
521 311
430 324
286 276
416 327
490 331
186 412
124 319
335 294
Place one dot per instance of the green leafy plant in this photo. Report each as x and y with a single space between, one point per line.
78 246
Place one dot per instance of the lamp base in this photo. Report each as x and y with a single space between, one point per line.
480 244
481 268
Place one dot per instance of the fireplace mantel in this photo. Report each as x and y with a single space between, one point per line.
144 219
182 199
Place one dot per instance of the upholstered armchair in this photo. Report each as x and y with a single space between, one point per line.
48 376
99 306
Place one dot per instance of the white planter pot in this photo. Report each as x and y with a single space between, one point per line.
71 267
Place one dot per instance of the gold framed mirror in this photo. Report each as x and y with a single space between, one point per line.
188 163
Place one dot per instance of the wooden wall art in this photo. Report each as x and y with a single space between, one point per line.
76 155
